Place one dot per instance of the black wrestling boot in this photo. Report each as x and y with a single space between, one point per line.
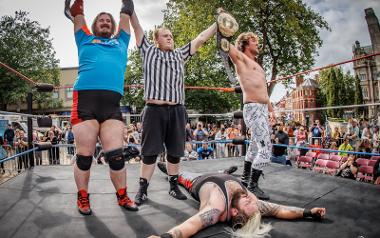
142 194
174 189
246 173
253 185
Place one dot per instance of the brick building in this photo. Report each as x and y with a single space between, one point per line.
368 70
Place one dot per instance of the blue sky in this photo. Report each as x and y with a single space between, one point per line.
345 17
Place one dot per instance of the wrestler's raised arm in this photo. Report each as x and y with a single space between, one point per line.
75 13
127 9
202 38
139 32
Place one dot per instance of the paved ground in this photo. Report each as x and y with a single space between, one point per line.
41 203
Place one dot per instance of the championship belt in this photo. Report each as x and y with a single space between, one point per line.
227 27
67 10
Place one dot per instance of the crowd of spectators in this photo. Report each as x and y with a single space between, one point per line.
202 141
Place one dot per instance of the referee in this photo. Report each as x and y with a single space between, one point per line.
164 116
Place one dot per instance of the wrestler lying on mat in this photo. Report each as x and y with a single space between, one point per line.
223 198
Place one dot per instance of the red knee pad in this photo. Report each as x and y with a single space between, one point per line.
77 8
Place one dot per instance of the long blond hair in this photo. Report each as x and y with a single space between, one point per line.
253 228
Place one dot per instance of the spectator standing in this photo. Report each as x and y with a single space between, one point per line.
316 131
189 133
220 147
200 133
9 135
3 154
279 152
37 154
54 151
69 136
375 139
21 145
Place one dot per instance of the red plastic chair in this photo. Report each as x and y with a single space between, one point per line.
362 162
311 154
323 156
336 158
332 167
365 173
304 162
320 165
372 163
375 157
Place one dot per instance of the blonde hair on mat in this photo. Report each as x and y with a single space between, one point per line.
253 228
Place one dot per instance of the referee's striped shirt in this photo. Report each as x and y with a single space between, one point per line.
163 72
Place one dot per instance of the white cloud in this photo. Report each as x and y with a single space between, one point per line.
345 17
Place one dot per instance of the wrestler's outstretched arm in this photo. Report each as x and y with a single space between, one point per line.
288 212
202 38
207 216
139 32
77 14
236 55
127 9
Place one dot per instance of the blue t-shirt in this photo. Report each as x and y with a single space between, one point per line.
204 154
102 61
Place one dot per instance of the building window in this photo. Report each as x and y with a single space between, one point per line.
69 92
365 93
55 95
362 76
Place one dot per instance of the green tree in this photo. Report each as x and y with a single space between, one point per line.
358 97
289 32
26 47
133 96
336 88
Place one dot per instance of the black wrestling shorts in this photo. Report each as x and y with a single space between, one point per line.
100 105
163 126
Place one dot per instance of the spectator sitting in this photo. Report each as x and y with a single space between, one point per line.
348 169
345 147
365 147
205 151
190 154
333 146
301 136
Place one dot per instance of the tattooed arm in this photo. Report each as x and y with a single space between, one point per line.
204 218
287 212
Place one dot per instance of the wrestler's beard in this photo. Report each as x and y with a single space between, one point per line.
106 34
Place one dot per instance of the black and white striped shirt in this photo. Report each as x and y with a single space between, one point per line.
164 72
